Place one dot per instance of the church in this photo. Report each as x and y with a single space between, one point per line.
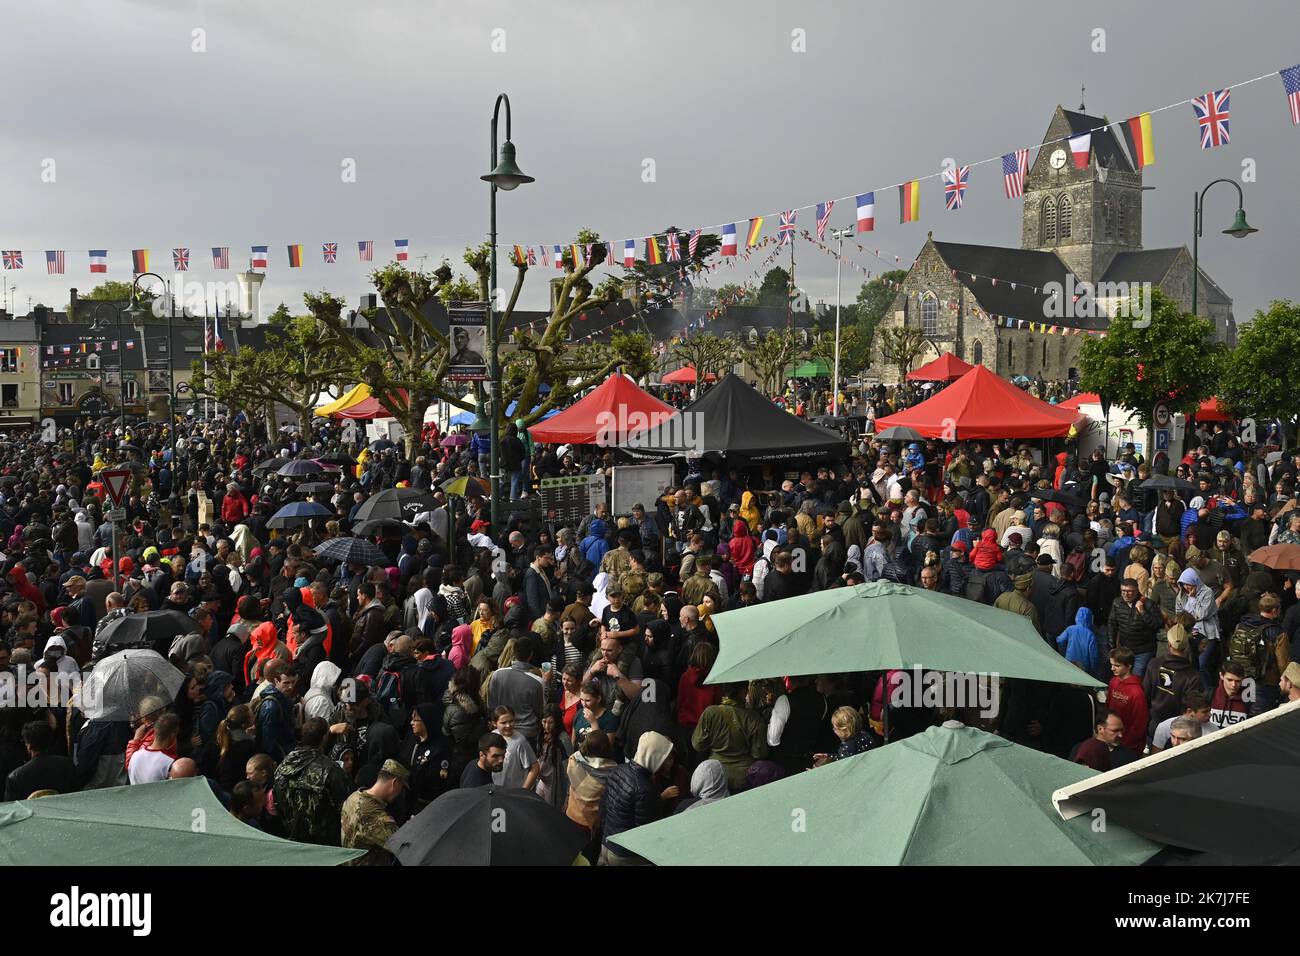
1081 224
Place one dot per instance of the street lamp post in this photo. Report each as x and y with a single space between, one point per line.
839 235
96 326
505 175
1239 229
138 311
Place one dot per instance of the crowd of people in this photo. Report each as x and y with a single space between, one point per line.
329 701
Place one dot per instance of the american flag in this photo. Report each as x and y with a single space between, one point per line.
366 250
221 257
1212 115
674 252
181 259
786 230
330 250
1291 83
955 182
823 217
543 248
1015 166
694 243
13 258
54 262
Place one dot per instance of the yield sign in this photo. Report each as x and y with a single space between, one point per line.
115 484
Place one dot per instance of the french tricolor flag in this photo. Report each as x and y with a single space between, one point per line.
98 260
1080 147
729 239
403 248
867 212
559 259
629 253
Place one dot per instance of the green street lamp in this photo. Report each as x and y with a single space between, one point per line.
1239 229
506 175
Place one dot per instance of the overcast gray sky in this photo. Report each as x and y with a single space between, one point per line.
158 146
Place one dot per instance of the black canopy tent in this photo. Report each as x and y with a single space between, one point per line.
1228 795
733 420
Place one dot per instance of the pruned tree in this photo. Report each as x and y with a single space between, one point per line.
899 346
707 354
298 365
771 356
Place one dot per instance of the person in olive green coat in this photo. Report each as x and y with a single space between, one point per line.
731 734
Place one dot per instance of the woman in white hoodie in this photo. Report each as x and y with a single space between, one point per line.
319 699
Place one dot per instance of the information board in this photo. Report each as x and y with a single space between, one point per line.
571 499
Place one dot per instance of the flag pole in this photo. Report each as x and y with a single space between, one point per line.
205 355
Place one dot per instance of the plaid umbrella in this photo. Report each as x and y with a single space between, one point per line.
352 551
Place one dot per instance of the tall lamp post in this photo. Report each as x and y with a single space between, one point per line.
138 311
1239 229
838 235
505 175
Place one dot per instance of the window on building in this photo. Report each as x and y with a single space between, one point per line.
1043 367
66 390
930 315
1120 231
752 335
9 396
8 360
1011 356
1047 225
132 388
92 362
1064 218
977 354
1108 219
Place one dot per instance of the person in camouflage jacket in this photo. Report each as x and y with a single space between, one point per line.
310 789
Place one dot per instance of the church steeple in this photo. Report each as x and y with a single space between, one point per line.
1085 215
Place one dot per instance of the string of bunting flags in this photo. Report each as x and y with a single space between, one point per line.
56 260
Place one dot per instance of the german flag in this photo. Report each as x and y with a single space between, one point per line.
755 227
653 256
1137 133
909 201
295 256
521 257
139 261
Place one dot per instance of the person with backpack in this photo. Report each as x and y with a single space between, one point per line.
1259 647
395 686
275 710
310 790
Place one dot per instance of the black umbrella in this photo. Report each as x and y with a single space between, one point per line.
337 458
487 826
298 512
1062 497
352 551
381 444
380 526
900 433
401 504
153 630
315 488
299 468
271 464
1170 482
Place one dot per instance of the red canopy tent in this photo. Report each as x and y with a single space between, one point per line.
981 405
686 375
616 408
1083 398
946 368
1209 411
370 407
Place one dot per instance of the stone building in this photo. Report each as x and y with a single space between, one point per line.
1079 226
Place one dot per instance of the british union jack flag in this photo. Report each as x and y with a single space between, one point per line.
330 250
1212 115
786 229
955 181
13 258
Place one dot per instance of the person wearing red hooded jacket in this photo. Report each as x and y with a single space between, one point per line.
986 553
25 589
234 506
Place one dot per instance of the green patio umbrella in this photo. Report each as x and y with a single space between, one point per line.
812 369
172 823
880 626
946 797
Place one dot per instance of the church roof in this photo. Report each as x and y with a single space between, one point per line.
1021 273
1105 148
1152 265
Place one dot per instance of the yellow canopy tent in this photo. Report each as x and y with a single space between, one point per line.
358 393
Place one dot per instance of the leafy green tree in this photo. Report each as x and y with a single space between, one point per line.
298 366
855 354
110 290
874 299
1260 377
774 291
707 354
1173 359
662 283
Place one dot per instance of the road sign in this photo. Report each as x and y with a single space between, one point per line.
116 514
1162 415
1162 439
116 482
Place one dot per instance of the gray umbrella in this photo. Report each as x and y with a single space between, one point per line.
118 684
900 433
